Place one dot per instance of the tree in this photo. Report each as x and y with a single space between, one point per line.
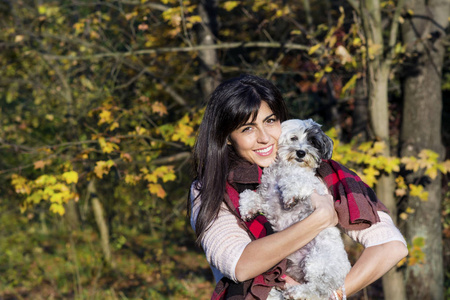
379 57
423 33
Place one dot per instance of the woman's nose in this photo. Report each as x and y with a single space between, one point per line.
263 137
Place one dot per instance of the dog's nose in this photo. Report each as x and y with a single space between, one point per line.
301 153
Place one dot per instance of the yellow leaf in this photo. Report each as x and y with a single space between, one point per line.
230 5
410 163
403 216
194 19
418 191
141 130
393 164
114 126
57 198
432 172
70 177
402 262
350 84
445 166
131 179
20 184
103 167
42 9
314 48
400 182
107 147
328 69
105 117
45 180
152 177
110 147
370 176
410 210
157 190
57 208
378 147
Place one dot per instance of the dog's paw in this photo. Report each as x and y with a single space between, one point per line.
249 204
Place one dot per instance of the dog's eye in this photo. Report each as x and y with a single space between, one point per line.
294 138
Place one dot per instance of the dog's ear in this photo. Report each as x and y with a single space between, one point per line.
327 150
320 141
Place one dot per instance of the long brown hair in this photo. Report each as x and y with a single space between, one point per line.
232 104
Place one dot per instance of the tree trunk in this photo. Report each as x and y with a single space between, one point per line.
378 68
101 222
360 113
421 129
209 61
71 215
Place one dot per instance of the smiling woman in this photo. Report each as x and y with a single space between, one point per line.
237 138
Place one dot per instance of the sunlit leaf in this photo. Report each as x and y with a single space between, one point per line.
70 177
314 48
157 190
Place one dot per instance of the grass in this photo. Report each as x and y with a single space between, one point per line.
63 265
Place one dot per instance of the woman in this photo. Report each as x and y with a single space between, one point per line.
238 136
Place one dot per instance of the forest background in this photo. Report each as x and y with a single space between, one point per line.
101 101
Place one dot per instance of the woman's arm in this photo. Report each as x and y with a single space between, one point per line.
262 254
384 247
373 263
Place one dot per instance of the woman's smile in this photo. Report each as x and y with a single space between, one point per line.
266 151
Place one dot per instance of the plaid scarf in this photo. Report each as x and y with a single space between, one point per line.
246 176
355 202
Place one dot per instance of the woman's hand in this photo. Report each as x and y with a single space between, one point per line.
324 205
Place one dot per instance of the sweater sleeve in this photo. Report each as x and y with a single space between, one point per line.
223 242
379 233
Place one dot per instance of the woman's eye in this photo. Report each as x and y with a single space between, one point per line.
271 120
294 138
246 129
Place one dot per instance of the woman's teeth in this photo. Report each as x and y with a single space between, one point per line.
265 150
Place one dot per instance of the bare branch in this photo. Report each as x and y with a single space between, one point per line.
288 46
155 6
172 158
394 28
355 5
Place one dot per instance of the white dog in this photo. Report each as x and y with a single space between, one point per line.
284 198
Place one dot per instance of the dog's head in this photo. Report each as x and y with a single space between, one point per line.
304 143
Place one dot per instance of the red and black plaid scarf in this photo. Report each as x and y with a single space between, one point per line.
355 202
247 176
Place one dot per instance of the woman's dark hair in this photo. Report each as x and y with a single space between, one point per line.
231 104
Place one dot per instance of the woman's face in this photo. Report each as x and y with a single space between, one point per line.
257 141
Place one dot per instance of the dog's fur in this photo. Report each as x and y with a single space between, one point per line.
284 198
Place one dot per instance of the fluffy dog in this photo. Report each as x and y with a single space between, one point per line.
284 198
